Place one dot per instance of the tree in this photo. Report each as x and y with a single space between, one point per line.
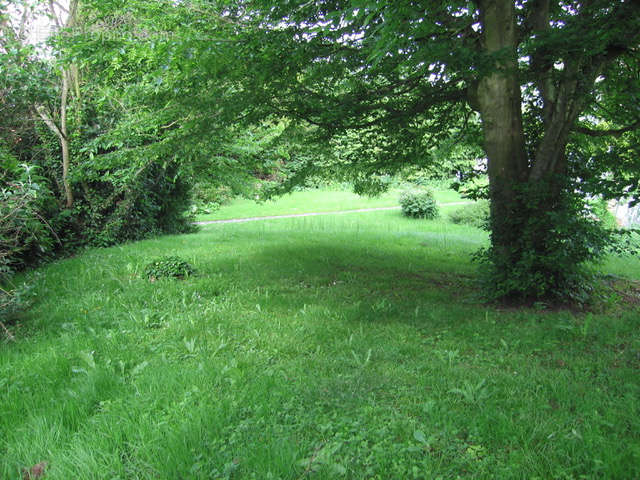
16 24
172 70
118 179
543 75
69 77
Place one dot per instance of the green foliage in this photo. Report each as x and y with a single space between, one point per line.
127 179
475 214
600 210
25 235
557 234
419 204
14 299
607 165
207 197
158 118
204 193
150 201
168 267
452 162
205 208
625 243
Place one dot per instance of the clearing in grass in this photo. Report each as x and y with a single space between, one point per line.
315 200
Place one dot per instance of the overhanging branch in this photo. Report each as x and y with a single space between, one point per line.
46 117
612 132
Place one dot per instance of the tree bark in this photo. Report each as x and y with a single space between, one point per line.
61 132
64 141
499 102
69 77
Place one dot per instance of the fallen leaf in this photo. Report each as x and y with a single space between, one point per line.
35 472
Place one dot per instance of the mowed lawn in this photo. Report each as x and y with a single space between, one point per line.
316 200
351 346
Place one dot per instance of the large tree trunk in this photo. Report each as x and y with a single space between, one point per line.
530 198
499 102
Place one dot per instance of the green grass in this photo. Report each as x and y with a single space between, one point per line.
317 200
321 347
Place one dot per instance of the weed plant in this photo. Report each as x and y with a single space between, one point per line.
168 267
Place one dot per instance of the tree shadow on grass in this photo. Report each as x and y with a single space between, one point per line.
373 273
372 282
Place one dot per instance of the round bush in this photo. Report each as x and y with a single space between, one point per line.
419 204
168 267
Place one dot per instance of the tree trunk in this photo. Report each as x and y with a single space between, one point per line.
61 132
529 196
69 78
64 140
540 235
499 101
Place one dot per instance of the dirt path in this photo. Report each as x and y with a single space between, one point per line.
313 214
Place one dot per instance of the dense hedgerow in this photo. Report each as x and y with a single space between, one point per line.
154 202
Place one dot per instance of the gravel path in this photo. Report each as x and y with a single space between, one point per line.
293 215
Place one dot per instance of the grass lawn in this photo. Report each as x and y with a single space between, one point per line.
322 348
318 200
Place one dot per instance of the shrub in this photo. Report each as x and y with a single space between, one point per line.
474 214
419 204
149 201
25 235
208 197
205 208
13 300
555 238
168 267
624 242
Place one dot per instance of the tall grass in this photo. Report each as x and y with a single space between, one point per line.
325 347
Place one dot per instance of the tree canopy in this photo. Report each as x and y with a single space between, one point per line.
545 93
549 81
